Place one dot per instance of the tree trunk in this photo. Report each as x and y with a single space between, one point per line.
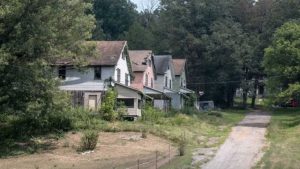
254 93
245 97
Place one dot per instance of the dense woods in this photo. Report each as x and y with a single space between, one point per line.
224 41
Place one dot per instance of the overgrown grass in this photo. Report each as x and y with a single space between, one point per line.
284 137
172 126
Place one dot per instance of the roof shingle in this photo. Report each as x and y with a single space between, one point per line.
179 66
138 58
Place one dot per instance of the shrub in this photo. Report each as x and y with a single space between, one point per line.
83 119
144 133
89 140
151 114
108 106
189 110
181 119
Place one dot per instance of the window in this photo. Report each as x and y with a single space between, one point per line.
129 103
97 75
118 75
170 84
146 80
150 63
140 104
62 72
181 82
126 79
152 83
166 81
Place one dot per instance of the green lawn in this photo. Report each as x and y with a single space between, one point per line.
284 137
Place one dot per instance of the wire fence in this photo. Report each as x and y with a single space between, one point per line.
154 161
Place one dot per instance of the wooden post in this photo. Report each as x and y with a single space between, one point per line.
138 164
156 154
169 153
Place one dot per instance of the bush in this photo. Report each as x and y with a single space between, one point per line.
181 119
189 110
89 140
151 114
108 106
83 119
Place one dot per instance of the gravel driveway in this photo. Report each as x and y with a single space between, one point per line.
243 148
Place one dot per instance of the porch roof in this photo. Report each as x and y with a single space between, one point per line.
186 91
155 94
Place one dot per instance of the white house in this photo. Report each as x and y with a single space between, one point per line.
165 78
89 84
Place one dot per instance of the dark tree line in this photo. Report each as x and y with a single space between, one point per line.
224 41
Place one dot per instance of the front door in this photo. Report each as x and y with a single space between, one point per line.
92 102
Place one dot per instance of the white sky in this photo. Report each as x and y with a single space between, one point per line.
142 4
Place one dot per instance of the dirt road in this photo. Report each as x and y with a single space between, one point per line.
243 148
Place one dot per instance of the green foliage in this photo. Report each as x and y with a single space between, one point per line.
82 119
139 37
89 140
114 17
33 34
281 60
151 114
108 106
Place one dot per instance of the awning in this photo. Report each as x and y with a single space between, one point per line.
155 94
186 91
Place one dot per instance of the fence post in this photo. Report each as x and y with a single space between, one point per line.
169 153
138 164
156 154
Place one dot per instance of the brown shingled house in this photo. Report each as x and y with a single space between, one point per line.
88 85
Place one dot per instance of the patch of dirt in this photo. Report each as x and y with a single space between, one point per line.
113 150
203 155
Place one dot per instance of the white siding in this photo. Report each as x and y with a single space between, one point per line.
83 80
122 65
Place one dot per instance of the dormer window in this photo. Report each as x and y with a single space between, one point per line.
118 75
97 74
166 81
146 80
62 72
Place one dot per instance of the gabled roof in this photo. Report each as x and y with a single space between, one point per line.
107 53
179 66
162 63
130 88
138 58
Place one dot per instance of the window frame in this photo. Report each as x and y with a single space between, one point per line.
62 72
166 81
126 79
146 79
99 68
118 75
132 102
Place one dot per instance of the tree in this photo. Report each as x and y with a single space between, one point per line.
33 34
282 59
114 18
139 38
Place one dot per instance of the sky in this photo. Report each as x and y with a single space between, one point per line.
142 4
